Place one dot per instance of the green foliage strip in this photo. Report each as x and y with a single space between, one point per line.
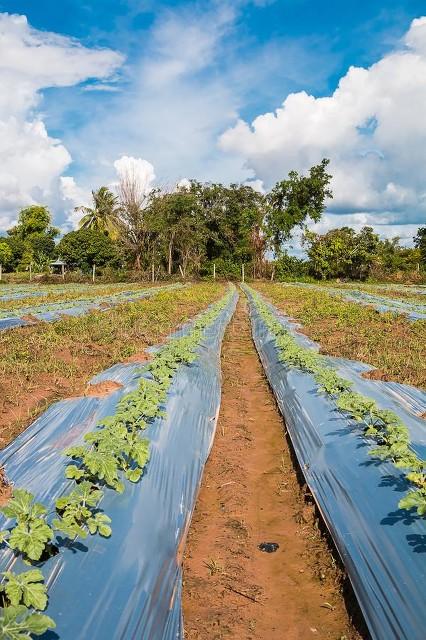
112 453
381 425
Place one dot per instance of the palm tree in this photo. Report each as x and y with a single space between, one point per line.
104 215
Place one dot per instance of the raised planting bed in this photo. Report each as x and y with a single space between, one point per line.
52 311
361 446
117 477
384 304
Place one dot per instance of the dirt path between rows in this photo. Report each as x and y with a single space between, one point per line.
251 494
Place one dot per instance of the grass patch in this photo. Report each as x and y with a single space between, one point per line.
48 361
392 344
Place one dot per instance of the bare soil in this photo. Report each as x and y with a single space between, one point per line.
5 489
252 493
102 389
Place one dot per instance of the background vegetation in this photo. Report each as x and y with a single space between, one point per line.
186 231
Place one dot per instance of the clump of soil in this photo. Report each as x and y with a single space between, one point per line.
102 389
376 374
5 488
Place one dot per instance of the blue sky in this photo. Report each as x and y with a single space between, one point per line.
193 89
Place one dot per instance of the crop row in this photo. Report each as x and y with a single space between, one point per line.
384 427
411 308
84 302
113 453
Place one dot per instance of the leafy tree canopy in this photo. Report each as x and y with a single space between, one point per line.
83 248
420 243
32 239
6 254
295 200
35 219
104 215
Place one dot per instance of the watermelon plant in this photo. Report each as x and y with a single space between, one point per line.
113 453
381 425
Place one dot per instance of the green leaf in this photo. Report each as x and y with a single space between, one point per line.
72 472
414 499
4 535
17 623
39 623
26 588
22 506
134 474
31 538
69 527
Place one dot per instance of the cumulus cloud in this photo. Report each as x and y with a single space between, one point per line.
138 169
72 196
371 127
31 60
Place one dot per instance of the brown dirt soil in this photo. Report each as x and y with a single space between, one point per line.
5 488
375 374
102 389
251 494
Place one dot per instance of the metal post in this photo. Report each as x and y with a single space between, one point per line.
93 272
242 272
63 272
214 271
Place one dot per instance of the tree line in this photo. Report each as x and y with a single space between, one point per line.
189 229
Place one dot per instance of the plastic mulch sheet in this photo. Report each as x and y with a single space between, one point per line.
413 310
129 585
50 312
383 548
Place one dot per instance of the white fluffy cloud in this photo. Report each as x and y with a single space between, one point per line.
31 161
139 169
372 128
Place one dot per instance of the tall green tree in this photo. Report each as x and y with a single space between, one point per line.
104 215
32 239
420 244
84 248
177 219
294 201
233 217
6 254
393 258
341 253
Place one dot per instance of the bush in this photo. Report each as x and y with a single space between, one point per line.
83 248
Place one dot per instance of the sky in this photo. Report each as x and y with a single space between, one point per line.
230 91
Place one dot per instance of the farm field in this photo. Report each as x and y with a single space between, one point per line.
288 468
14 296
21 312
392 344
415 293
47 361
413 308
360 443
